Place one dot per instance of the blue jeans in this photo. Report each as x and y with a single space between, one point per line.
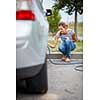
66 47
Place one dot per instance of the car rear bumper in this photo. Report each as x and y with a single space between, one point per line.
27 72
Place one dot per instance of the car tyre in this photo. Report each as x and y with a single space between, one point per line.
39 83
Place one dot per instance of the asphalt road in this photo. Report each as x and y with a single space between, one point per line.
65 83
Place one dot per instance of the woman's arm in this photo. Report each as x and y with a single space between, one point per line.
56 37
54 43
74 37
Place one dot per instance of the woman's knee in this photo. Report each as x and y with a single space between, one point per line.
68 42
62 49
73 47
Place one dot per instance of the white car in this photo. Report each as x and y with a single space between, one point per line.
31 44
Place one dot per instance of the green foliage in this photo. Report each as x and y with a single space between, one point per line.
70 6
54 20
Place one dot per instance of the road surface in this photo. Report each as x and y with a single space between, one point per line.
64 82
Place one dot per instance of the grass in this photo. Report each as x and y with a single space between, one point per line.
79 28
79 46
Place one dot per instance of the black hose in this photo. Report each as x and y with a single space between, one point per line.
56 63
77 68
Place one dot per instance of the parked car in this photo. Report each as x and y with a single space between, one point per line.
31 44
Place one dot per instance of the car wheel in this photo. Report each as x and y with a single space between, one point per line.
39 83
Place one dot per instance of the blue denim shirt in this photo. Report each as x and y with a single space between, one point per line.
67 36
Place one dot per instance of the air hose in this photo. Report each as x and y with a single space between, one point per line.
77 68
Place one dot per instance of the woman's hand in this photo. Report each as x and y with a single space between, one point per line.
74 37
51 45
56 37
62 30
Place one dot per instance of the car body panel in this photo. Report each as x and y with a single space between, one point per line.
31 39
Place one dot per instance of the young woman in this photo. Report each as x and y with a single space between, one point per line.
68 38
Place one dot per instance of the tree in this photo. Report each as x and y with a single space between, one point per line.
70 6
54 20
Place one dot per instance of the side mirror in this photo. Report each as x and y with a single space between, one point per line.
48 12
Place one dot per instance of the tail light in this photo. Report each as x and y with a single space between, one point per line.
25 15
24 10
